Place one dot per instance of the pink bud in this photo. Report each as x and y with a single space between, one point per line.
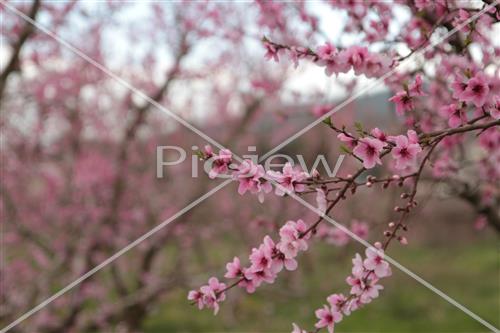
315 173
403 240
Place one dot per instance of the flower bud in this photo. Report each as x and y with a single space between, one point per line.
403 240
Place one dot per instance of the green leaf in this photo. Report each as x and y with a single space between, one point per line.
200 154
328 121
359 127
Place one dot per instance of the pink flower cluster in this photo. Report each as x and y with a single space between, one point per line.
289 179
252 177
369 149
404 148
404 99
364 278
209 295
474 90
266 262
335 61
455 114
220 162
357 58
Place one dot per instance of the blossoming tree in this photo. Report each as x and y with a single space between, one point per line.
447 101
77 187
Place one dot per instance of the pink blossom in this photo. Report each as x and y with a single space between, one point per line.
220 162
357 265
209 295
370 292
356 56
278 259
257 277
327 318
247 283
208 151
337 301
326 51
329 58
459 87
251 178
376 64
297 53
375 262
379 134
291 242
403 102
477 90
321 200
405 153
233 269
456 116
271 52
357 284
412 136
348 140
261 258
368 149
288 179
415 89
197 297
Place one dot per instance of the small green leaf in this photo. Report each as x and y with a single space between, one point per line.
359 127
328 121
200 154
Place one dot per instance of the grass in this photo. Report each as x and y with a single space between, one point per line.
468 273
